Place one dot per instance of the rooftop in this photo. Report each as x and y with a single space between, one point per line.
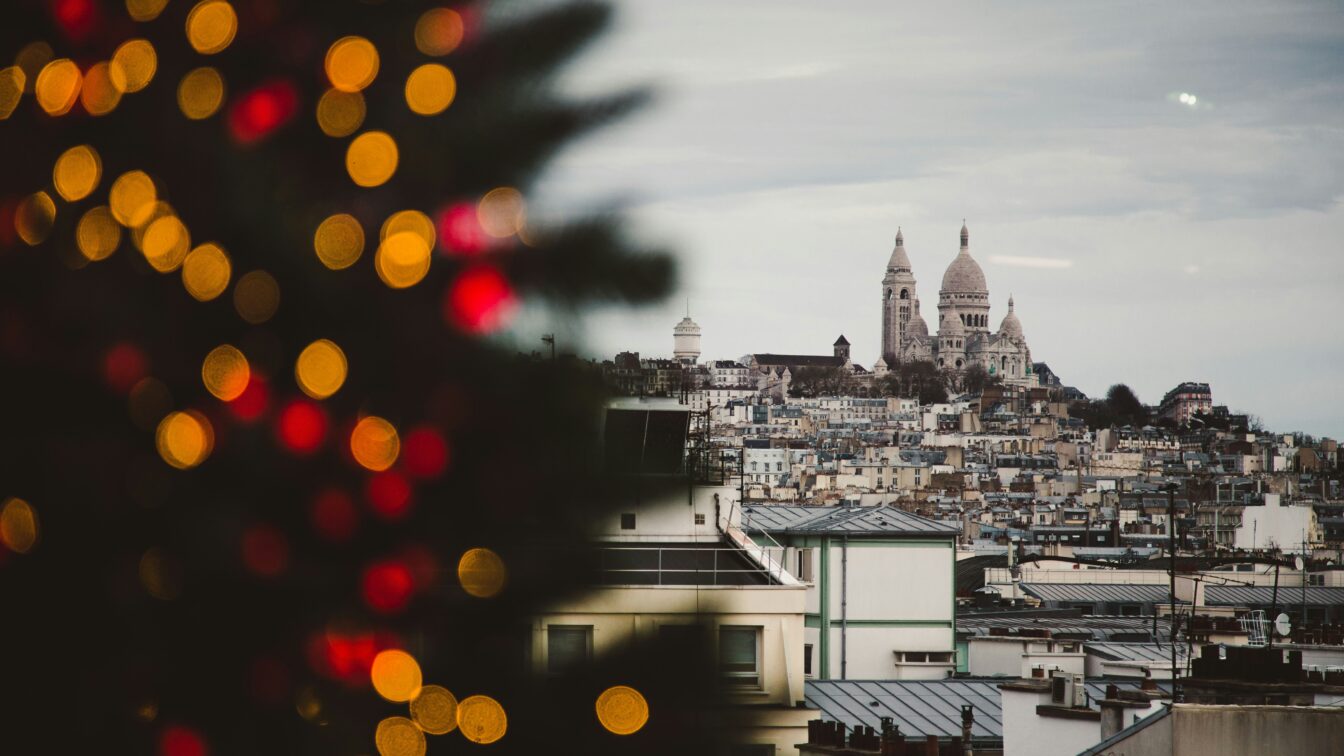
878 520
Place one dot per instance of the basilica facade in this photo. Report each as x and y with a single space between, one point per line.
964 336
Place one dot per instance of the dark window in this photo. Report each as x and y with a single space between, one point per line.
807 658
568 646
699 519
628 521
739 655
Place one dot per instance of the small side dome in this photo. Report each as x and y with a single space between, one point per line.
1011 327
899 260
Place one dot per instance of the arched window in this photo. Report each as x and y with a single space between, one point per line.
905 294
940 362
1003 364
958 364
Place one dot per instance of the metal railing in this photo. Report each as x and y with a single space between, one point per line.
681 565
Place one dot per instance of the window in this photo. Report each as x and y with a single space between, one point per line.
567 647
628 521
700 519
779 467
807 658
739 655
805 565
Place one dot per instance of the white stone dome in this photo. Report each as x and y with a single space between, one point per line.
917 328
1011 327
899 259
951 325
964 275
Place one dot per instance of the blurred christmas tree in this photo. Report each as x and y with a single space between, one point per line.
255 438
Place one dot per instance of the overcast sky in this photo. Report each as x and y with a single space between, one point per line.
1147 238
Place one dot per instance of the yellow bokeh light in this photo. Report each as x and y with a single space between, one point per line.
622 710
12 81
395 675
430 89
58 86
200 93
225 372
409 220
160 575
339 113
352 63
211 26
206 272
34 217
481 719
184 439
145 10
18 525
144 218
256 297
434 709
31 60
439 31
321 369
77 173
131 195
104 84
374 443
371 158
339 241
165 243
398 736
97 234
402 260
502 212
138 63
481 573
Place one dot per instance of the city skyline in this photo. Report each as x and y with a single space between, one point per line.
1184 158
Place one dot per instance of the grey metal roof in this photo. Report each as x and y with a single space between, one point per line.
1097 592
925 707
1100 627
1263 595
879 520
1140 652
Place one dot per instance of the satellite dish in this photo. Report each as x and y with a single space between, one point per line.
1298 563
1282 625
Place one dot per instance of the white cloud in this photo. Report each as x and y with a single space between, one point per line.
1030 262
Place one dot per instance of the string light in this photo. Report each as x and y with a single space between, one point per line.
185 439
200 93
481 719
12 82
374 443
434 709
339 241
34 217
402 260
395 675
131 194
501 212
398 736
481 573
58 86
97 235
430 89
206 271
211 26
138 63
320 369
145 10
351 63
256 297
371 158
409 220
165 243
225 372
18 525
622 710
77 173
438 31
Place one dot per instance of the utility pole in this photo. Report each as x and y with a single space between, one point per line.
550 339
1171 573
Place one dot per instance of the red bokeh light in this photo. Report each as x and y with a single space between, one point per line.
123 366
181 741
77 18
424 452
480 300
252 403
265 551
389 495
348 656
460 230
255 114
302 426
333 515
387 586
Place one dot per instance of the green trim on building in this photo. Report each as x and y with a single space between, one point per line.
893 623
824 599
811 620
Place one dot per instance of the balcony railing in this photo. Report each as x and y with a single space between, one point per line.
679 565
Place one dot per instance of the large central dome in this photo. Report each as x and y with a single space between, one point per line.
964 274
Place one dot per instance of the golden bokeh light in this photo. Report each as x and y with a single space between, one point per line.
206 272
200 93
374 443
58 86
185 439
225 372
439 31
502 212
97 234
211 26
430 89
138 63
31 59
34 217
352 63
481 573
434 709
395 675
12 81
481 719
402 260
160 575
371 158
256 297
339 241
131 196
321 369
308 704
165 243
18 525
145 10
104 83
144 218
622 710
398 736
409 220
339 114
77 173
